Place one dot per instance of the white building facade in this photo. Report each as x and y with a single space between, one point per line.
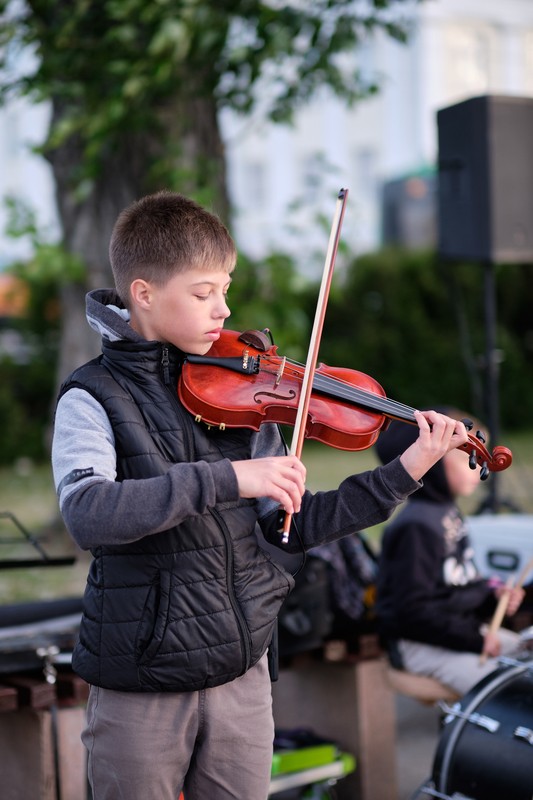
283 178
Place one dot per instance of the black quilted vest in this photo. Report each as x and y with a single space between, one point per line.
190 607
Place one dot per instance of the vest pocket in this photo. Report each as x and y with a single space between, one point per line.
154 619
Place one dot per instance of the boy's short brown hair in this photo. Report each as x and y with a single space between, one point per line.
164 234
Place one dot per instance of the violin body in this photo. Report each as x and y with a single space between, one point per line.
243 382
224 397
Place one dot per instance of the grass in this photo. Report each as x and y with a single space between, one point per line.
27 492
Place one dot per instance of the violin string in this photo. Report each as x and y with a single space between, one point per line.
362 397
329 385
336 387
391 408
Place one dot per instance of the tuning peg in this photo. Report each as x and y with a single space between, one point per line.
484 474
472 460
481 436
467 423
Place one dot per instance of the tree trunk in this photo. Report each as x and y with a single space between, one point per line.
130 167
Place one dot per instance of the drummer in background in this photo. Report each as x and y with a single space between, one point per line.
432 603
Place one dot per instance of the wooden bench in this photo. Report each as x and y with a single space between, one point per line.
40 725
348 699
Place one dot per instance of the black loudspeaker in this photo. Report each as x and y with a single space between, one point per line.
485 186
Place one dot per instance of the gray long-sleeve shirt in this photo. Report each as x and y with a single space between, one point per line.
94 505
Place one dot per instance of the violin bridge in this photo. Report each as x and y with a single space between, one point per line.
279 374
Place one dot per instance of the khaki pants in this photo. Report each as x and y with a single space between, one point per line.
459 671
215 743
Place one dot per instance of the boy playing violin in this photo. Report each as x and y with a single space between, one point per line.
181 599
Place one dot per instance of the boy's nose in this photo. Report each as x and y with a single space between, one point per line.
224 310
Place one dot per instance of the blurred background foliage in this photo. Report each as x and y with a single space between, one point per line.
417 325
413 323
135 89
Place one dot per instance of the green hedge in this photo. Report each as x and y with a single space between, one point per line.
418 326
25 408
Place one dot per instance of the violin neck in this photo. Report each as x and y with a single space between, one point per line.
341 390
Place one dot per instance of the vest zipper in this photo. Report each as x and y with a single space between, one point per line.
241 621
184 415
165 363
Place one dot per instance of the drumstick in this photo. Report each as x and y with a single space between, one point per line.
503 602
499 613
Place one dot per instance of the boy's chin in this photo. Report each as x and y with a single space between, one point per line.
201 350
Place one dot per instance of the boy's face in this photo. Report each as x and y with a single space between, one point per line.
188 311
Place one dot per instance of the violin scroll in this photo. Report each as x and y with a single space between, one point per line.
500 458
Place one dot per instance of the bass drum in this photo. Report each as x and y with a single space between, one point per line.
486 748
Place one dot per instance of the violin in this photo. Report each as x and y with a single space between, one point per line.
244 382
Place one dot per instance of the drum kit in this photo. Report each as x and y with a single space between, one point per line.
485 750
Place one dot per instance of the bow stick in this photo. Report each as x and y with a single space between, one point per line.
503 602
314 343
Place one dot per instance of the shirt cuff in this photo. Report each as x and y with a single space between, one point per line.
225 481
398 479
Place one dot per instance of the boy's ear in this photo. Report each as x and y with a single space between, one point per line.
141 293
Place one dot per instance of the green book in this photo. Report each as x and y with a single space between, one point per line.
303 758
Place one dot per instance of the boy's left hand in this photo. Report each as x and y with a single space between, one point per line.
438 434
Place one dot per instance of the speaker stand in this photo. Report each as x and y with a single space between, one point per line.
492 503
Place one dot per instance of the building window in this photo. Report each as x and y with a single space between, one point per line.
255 183
467 61
528 62
365 164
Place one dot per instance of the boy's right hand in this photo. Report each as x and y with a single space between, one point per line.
282 478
